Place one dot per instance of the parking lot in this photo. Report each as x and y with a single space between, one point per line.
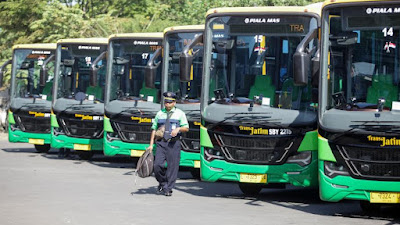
43 189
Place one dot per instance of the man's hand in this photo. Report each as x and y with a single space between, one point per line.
175 132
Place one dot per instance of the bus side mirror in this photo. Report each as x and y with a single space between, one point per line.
315 63
186 59
2 70
185 66
151 70
44 71
94 69
93 76
302 60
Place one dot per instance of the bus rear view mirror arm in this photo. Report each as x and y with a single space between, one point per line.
186 59
94 68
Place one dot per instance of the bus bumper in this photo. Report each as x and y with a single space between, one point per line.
63 141
20 136
118 147
287 173
190 159
346 187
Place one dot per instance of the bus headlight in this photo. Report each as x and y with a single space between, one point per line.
14 127
58 130
332 169
111 136
211 153
301 158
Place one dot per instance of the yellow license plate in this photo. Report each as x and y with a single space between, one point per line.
253 178
36 141
196 164
137 153
82 147
384 197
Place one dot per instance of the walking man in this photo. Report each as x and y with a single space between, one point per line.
169 146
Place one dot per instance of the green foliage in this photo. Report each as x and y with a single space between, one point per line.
58 21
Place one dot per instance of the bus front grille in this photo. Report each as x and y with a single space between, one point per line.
371 162
133 132
31 124
191 140
82 128
249 149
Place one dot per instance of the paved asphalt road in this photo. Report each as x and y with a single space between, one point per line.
41 189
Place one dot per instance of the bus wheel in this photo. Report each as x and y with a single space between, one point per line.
85 155
42 148
370 208
195 173
250 189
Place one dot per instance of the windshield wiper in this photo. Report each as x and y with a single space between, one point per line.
33 106
242 117
123 98
382 128
366 126
133 109
76 107
190 111
377 126
262 121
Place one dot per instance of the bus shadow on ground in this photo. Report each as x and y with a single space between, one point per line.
302 199
21 150
97 160
307 200
114 161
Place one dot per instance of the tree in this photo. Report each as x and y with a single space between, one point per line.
58 21
15 17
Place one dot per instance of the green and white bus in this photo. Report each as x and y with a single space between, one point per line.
359 106
258 122
78 95
130 102
186 85
30 101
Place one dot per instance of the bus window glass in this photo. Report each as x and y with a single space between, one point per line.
76 61
363 60
27 73
252 59
185 90
129 61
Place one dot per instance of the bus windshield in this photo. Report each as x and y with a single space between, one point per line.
130 58
75 65
190 91
363 59
251 60
27 73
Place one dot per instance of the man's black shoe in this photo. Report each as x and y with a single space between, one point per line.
160 189
168 193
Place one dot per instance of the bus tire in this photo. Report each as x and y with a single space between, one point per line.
85 155
42 148
195 173
370 208
250 189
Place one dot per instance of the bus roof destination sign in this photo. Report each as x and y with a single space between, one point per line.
367 17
